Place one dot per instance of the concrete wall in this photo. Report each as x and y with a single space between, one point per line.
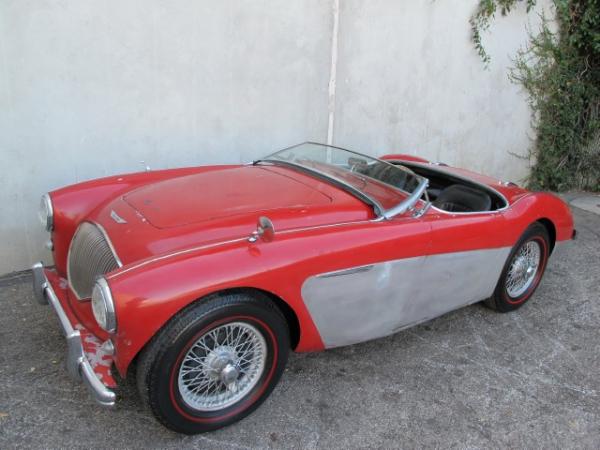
92 88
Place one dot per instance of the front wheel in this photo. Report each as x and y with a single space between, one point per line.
214 363
523 270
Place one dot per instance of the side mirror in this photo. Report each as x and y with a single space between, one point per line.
264 230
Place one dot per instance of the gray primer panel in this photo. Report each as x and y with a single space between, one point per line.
350 306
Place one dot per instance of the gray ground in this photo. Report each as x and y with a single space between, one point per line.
473 378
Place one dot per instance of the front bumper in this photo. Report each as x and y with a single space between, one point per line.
78 364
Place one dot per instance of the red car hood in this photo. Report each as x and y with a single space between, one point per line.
219 194
219 204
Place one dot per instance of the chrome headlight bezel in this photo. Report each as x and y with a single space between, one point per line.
46 212
103 306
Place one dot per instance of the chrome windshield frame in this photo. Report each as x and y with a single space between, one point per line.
406 205
408 202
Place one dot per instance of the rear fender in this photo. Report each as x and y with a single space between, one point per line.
538 206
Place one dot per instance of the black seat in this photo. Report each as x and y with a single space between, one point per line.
460 198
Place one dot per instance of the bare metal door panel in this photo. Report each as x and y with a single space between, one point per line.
366 302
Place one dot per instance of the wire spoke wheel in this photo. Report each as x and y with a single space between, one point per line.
523 269
222 366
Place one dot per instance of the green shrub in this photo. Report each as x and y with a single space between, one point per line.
561 73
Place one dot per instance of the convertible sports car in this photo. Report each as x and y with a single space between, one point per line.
197 282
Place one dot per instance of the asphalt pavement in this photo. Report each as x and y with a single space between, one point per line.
473 378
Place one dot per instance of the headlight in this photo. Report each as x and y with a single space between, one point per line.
103 306
46 213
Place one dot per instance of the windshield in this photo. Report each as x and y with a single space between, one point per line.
380 183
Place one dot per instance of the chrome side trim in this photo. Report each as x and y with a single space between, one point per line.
339 273
461 213
330 225
172 255
78 366
391 295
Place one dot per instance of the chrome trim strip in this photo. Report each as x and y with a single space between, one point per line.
78 366
171 255
350 271
462 213
329 225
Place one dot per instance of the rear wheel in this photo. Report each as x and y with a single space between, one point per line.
523 270
214 363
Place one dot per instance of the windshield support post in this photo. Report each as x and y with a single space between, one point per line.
409 202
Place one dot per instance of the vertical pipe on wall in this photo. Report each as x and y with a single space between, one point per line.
335 11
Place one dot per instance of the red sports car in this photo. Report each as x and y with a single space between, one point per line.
198 281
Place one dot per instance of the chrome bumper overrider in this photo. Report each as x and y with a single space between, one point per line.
78 366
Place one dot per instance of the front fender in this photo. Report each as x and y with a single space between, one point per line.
147 294
147 297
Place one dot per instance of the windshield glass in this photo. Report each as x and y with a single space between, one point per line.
384 184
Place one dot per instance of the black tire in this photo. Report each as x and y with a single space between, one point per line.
159 364
501 300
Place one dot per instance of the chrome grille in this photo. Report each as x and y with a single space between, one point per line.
90 256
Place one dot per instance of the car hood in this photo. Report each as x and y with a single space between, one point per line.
219 194
218 204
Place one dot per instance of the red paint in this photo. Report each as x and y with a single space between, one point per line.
176 245
404 157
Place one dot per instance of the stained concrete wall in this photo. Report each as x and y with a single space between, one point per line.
92 88
409 80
